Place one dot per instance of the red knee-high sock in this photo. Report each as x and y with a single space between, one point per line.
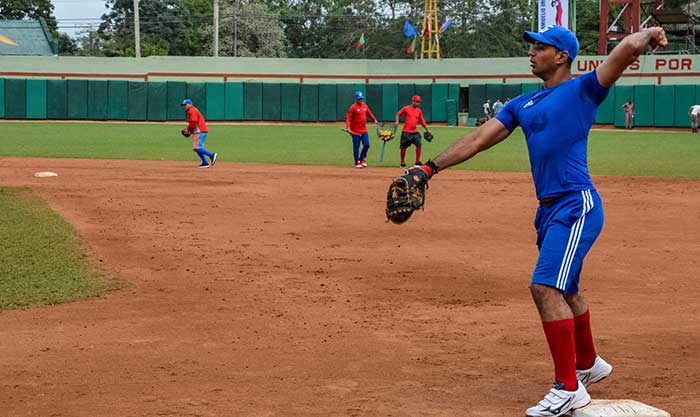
403 155
585 349
560 337
418 148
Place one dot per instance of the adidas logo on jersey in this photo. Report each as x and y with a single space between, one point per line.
528 104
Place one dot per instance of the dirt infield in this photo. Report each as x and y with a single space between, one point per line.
260 290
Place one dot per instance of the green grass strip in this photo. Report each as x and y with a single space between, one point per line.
41 260
619 152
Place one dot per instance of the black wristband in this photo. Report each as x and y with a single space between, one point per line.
432 166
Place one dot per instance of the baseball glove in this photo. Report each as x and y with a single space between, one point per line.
406 194
186 133
428 136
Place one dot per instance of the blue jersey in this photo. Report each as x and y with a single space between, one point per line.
556 122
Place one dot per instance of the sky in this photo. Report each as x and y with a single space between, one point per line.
72 13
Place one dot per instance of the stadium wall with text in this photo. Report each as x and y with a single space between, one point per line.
650 69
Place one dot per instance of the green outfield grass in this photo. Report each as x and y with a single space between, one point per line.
619 152
41 261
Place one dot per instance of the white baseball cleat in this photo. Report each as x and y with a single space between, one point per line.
213 158
558 401
596 373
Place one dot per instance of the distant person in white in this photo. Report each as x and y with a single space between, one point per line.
628 108
497 107
694 113
487 108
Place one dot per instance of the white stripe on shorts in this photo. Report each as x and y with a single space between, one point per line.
574 238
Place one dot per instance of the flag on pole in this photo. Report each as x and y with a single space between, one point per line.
447 24
408 30
412 46
361 42
426 26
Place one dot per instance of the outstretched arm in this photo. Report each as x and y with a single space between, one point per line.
484 137
626 52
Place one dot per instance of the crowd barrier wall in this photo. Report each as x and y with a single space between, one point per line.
160 100
655 105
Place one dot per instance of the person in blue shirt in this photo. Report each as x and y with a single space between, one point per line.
556 120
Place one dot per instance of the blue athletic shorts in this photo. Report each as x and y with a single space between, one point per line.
566 231
198 140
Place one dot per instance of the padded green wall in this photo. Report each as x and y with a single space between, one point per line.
453 94
493 92
197 92
374 99
77 99
252 96
510 91
118 99
644 105
477 96
439 102
177 91
345 96
272 99
327 102
36 99
2 94
15 98
663 106
390 102
56 99
216 101
664 96
452 112
685 97
606 113
233 109
526 88
157 101
406 92
138 101
289 97
308 102
98 99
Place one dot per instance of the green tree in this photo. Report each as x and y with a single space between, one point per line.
259 31
165 28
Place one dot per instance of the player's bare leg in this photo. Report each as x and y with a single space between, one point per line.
590 368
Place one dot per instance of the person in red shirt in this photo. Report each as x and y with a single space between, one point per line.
409 133
356 125
198 127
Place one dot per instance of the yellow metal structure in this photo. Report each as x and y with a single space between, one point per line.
430 43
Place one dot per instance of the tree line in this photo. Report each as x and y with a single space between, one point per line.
302 28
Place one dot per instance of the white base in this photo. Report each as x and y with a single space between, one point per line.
618 408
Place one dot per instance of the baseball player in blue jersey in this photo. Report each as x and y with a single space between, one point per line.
556 120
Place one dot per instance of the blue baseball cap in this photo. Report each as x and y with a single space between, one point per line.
557 36
186 101
359 95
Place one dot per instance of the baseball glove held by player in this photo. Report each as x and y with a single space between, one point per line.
186 133
407 194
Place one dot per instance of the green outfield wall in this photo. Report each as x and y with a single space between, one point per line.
656 105
235 101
